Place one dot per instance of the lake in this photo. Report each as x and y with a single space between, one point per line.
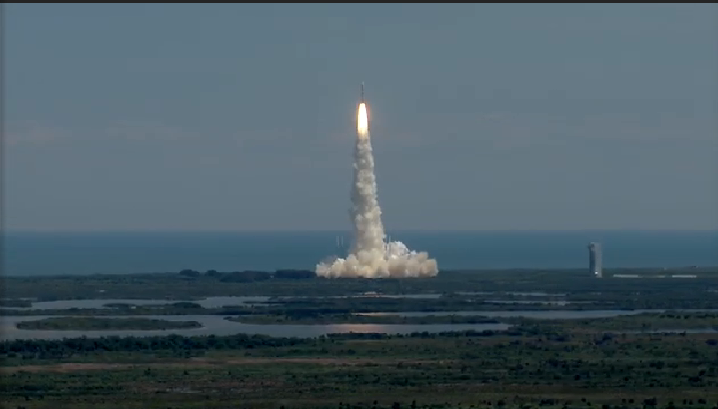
217 325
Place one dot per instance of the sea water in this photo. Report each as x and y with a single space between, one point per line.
45 253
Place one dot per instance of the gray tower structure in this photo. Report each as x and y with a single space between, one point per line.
595 262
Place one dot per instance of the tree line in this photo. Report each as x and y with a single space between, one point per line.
247 276
59 348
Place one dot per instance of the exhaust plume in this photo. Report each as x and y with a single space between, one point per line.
371 255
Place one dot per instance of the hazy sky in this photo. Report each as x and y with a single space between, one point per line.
238 116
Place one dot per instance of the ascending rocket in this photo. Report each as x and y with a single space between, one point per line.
362 117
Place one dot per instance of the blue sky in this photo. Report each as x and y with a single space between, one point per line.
241 117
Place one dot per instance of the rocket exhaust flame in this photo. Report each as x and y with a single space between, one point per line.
362 121
371 256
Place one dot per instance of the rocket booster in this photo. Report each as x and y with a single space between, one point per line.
362 117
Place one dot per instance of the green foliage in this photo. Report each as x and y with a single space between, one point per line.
15 303
579 286
423 371
317 318
580 364
95 323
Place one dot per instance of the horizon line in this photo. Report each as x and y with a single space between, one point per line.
6 230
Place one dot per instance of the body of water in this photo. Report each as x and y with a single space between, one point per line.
217 325
35 253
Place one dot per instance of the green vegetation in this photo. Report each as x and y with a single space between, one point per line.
578 363
93 323
645 322
120 305
577 284
308 307
14 303
576 369
318 319
639 322
452 291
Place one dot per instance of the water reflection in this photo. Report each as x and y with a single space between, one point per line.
217 325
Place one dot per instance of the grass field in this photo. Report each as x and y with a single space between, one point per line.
572 370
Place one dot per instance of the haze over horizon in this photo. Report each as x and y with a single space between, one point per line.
485 117
348 230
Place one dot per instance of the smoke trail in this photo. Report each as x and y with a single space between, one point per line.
370 256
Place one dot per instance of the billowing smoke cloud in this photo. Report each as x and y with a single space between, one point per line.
371 256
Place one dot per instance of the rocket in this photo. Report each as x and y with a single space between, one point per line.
362 117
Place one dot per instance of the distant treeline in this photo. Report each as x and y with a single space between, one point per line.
61 348
249 275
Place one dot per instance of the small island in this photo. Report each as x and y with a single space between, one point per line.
360 319
97 323
15 303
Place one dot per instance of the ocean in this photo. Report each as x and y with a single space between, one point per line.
43 253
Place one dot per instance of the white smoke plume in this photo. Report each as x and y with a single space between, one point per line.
371 256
